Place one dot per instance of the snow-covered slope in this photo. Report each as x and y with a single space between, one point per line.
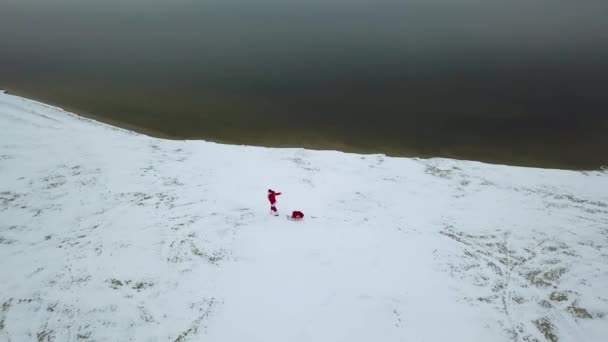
108 235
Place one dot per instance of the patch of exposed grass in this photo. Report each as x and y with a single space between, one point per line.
535 280
45 336
557 296
518 299
435 171
7 197
486 299
115 283
84 336
141 285
554 274
212 257
6 305
545 326
579 312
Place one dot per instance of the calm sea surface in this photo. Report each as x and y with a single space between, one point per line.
518 82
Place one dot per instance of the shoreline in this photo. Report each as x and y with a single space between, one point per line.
326 145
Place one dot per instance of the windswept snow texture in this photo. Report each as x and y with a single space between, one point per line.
107 235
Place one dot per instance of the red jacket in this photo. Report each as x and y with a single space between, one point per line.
272 197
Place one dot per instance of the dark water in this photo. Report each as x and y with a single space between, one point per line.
521 82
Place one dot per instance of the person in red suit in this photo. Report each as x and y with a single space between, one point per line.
272 197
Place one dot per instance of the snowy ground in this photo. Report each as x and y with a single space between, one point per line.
108 235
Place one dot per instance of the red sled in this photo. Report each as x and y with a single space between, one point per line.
296 216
